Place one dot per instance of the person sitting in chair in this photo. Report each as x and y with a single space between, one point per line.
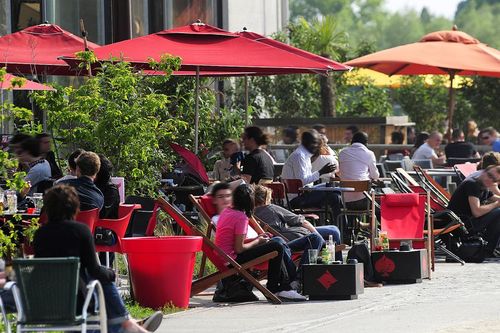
29 154
61 236
295 228
473 202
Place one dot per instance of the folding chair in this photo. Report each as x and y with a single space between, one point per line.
360 186
5 319
403 216
293 186
391 166
449 220
280 198
431 184
46 296
424 163
226 266
464 170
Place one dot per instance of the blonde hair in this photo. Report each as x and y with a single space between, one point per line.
263 195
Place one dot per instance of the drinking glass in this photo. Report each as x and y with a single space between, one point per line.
11 201
313 256
38 201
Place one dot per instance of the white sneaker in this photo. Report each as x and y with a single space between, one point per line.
291 295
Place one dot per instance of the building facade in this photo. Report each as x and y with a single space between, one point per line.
109 21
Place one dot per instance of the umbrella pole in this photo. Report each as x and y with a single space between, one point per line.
246 101
451 106
196 110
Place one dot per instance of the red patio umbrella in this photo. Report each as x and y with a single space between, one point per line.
193 161
442 53
204 48
7 83
36 49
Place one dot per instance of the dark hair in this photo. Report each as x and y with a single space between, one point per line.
72 158
61 203
457 133
31 146
360 137
490 158
219 187
309 136
243 199
18 138
291 132
397 137
353 128
42 135
88 163
420 139
105 171
254 132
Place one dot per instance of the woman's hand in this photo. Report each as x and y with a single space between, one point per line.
263 238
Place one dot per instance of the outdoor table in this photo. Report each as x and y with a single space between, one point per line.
326 189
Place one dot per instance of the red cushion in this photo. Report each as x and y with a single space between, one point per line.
401 199
206 202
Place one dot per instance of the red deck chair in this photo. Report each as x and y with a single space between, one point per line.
118 226
225 265
465 170
403 216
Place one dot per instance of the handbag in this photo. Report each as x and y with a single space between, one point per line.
472 249
103 236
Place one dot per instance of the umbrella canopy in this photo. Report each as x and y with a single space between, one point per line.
35 50
333 65
8 79
205 48
443 53
394 81
193 161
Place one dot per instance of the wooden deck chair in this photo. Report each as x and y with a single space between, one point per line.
403 216
206 210
226 266
429 181
439 213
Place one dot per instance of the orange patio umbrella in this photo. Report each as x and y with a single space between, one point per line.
440 53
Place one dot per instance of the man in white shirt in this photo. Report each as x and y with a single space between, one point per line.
427 150
357 162
298 166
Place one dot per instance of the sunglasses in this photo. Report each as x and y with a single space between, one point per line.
485 138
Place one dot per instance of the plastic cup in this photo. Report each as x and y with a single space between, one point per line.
38 201
313 256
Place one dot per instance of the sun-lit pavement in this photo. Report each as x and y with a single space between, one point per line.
457 299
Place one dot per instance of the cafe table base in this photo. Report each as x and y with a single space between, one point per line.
400 267
333 282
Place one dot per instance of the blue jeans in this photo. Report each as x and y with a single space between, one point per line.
115 308
288 264
311 241
325 231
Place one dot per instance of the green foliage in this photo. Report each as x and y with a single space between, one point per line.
116 113
426 106
365 100
480 18
482 94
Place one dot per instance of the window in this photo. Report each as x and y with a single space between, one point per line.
25 13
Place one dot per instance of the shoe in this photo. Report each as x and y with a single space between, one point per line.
371 284
296 285
291 295
152 322
496 253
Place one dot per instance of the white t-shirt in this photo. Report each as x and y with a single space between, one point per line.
424 152
320 162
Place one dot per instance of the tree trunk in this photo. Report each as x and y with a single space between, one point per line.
327 90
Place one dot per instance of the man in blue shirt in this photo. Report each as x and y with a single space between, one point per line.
489 136
87 167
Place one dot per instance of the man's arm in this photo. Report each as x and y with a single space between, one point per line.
479 210
372 168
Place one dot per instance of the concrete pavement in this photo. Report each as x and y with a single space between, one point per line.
457 299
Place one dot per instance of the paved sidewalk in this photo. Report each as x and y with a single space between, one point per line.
458 299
